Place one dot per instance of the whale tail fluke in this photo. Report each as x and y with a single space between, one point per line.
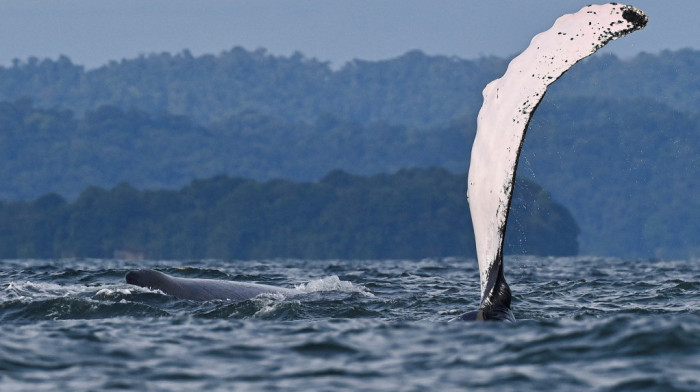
509 104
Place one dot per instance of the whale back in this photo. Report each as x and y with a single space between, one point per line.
202 289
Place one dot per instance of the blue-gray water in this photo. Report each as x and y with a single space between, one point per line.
583 324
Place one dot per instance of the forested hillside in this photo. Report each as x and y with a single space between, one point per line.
411 214
414 89
615 140
52 151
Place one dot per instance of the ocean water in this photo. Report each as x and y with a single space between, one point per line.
584 324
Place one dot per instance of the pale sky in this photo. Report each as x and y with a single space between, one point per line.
93 32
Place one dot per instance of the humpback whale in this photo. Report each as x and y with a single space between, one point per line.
509 104
202 289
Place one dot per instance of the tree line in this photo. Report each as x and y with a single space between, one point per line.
414 89
411 214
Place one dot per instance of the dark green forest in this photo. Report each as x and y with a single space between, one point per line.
615 140
412 214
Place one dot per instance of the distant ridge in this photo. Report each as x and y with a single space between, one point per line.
414 89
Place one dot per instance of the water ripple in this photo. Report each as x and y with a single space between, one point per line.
583 324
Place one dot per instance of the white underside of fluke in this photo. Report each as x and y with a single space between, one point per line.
509 103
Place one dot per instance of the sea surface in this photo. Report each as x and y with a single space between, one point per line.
584 324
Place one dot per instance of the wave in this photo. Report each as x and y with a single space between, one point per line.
333 283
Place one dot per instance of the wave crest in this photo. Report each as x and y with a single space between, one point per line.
333 283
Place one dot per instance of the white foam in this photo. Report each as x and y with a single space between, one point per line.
42 290
270 304
110 292
332 283
33 291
